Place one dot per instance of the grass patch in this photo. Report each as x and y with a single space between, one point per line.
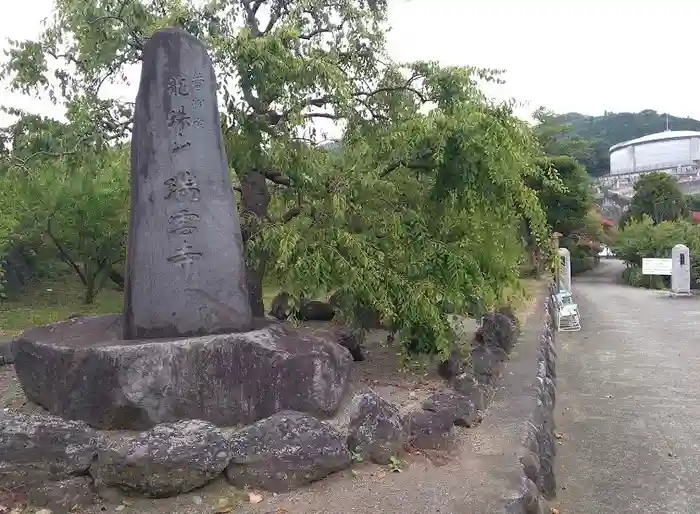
55 298
51 300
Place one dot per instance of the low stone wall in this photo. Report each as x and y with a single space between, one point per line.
538 482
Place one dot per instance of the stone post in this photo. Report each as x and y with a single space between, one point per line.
564 278
680 269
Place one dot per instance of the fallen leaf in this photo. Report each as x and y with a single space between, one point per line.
119 508
224 506
254 498
555 511
558 435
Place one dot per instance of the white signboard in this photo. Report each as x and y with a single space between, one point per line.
657 266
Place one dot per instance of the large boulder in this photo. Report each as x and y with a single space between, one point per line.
80 369
281 307
38 448
459 406
376 430
314 310
498 330
487 363
169 459
285 451
429 430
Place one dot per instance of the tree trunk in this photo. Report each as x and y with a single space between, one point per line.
255 200
255 277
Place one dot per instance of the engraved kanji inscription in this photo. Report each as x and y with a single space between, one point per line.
177 86
178 146
197 81
179 120
197 122
197 104
185 255
183 222
183 186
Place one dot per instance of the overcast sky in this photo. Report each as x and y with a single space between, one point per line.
569 55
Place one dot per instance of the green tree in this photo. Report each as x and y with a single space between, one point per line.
568 201
658 196
559 138
415 210
80 212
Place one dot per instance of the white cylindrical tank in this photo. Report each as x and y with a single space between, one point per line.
660 151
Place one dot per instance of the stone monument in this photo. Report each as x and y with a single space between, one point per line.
564 278
185 245
186 346
680 270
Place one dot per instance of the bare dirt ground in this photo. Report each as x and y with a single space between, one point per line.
458 480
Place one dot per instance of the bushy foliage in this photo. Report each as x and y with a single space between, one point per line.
646 239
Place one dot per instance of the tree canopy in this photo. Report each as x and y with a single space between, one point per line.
420 205
658 196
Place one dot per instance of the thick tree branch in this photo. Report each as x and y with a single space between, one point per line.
276 177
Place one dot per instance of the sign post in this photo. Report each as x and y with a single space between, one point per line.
657 267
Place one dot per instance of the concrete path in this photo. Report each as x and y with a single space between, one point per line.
629 401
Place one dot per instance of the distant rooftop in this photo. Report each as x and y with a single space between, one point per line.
659 136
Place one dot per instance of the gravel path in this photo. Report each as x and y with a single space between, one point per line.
629 401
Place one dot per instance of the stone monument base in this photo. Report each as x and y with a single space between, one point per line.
81 370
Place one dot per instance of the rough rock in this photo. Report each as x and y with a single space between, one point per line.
376 430
169 459
352 339
487 363
281 307
185 267
497 330
285 451
36 448
460 407
453 366
313 310
429 430
63 496
80 370
509 313
479 393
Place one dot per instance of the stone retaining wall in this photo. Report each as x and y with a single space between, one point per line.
538 483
